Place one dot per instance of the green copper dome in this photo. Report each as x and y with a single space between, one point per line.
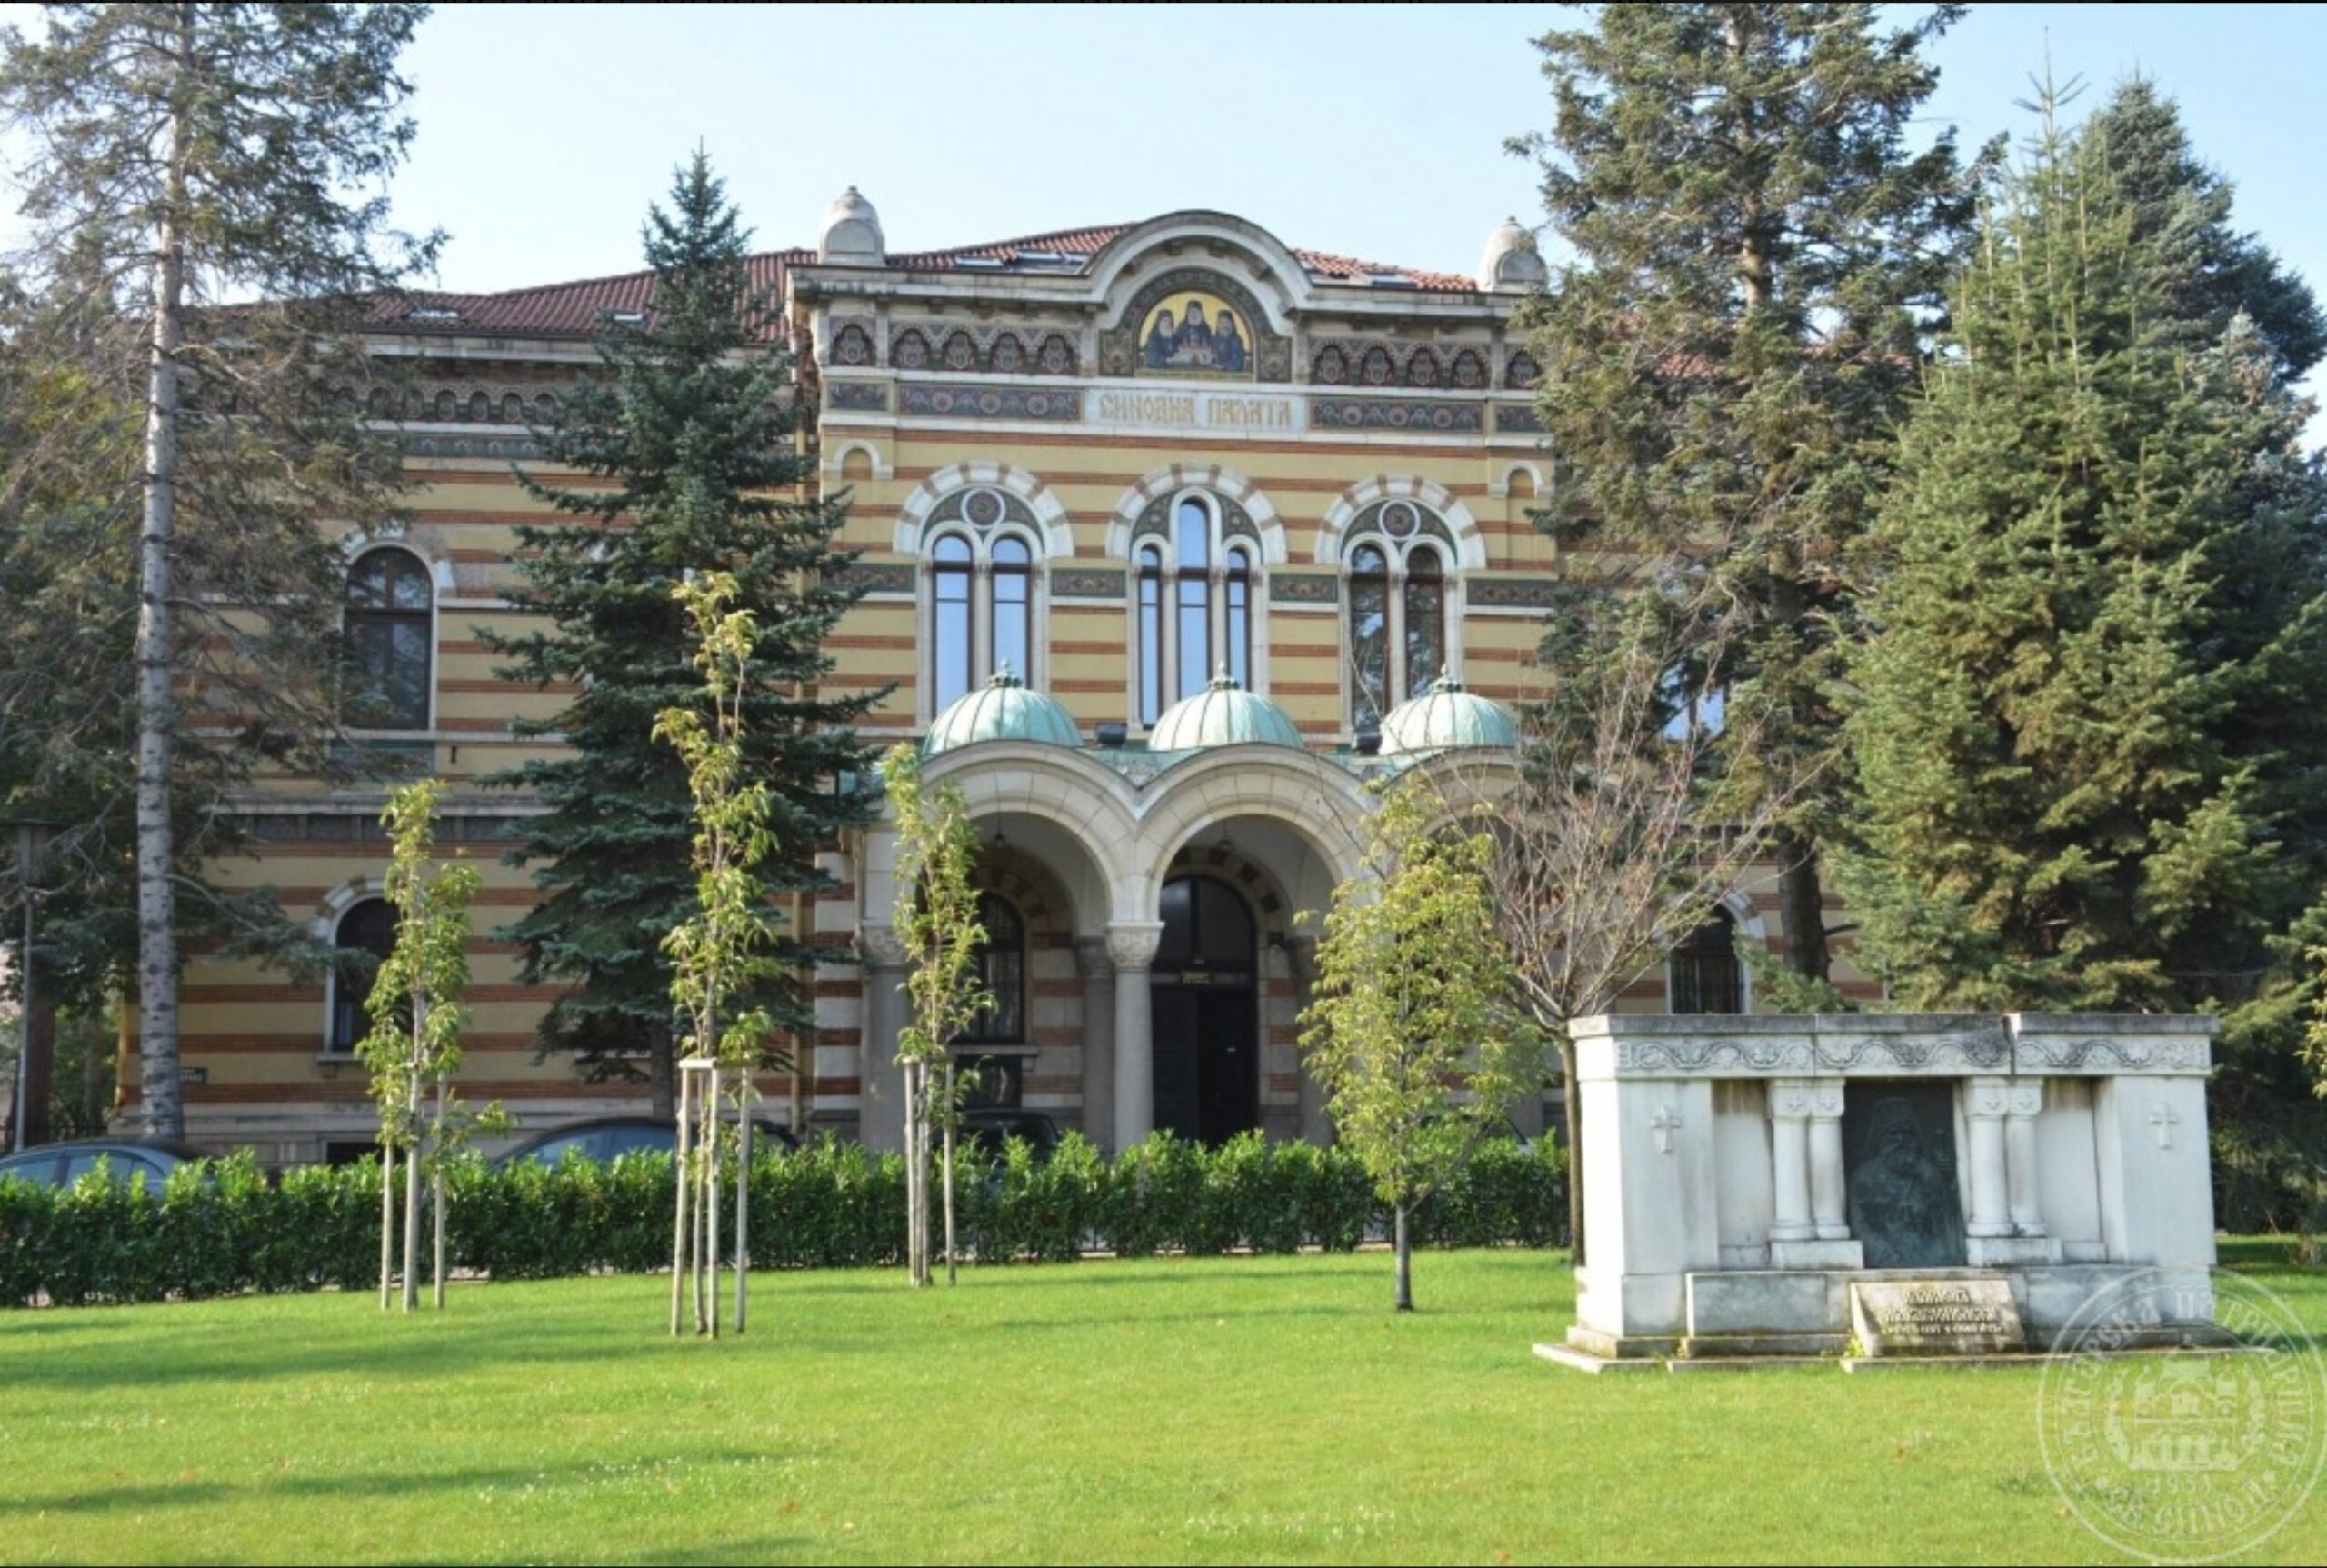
1000 710
1445 717
1223 714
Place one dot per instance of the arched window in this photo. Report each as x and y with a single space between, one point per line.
1196 605
364 936
1704 974
1002 965
391 641
1192 541
1404 620
1151 635
1425 620
1013 606
952 638
1369 635
985 600
1239 587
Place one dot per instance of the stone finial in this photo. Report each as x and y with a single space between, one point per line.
1511 264
851 233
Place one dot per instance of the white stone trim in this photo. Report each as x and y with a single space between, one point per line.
325 928
1500 489
1049 512
834 461
1470 544
1178 477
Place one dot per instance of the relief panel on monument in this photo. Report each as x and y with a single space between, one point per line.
1906 1207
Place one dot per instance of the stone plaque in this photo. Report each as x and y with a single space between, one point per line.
1899 1165
1936 1317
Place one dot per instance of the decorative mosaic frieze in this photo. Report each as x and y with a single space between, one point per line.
1087 582
500 448
1402 520
1491 593
1270 354
945 400
981 507
879 576
1517 419
982 349
1432 418
857 396
1304 588
1366 362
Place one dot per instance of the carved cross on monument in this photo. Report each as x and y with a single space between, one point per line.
2162 1119
1664 1124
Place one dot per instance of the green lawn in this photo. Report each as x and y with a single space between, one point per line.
1230 1409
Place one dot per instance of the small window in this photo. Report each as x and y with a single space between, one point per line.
1425 621
1151 635
1369 635
366 934
1240 617
390 641
1013 602
1706 977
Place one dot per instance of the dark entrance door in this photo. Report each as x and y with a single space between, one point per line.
1206 1013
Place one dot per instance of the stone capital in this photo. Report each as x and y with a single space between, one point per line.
2024 1100
880 947
1987 1098
1132 943
1793 1099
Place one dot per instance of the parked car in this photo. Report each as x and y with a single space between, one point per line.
984 1130
144 1162
604 1137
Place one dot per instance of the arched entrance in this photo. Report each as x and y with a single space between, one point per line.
1206 1010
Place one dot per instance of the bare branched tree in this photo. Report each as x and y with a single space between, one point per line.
1630 812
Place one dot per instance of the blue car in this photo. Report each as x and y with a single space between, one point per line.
144 1162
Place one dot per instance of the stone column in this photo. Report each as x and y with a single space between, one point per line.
1316 1126
880 1084
1790 1219
1098 972
1983 1107
2023 1103
1826 1162
1131 944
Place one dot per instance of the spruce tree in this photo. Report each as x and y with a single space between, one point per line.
692 431
1757 247
2087 756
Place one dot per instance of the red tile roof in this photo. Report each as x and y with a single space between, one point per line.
579 308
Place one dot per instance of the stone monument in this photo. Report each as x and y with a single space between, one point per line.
1886 1183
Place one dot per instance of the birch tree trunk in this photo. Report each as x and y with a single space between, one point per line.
679 1221
160 1093
437 1139
950 1277
387 1223
743 1200
412 1194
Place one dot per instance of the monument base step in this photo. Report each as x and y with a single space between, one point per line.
1733 1346
1568 1356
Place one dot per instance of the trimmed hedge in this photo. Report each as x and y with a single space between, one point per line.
222 1229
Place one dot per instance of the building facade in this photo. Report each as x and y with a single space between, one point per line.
1172 535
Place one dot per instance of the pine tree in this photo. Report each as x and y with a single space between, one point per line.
691 429
2180 209
2068 792
1756 246
179 155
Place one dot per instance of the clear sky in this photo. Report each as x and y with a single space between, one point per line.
1370 130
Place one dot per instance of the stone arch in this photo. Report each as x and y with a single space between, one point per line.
836 461
1089 808
1178 477
1049 512
1470 544
1279 280
1316 803
1520 481
426 546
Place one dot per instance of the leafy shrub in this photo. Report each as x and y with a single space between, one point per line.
221 1228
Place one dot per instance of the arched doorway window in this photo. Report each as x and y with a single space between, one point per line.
1002 966
1206 1000
391 641
364 936
1704 972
